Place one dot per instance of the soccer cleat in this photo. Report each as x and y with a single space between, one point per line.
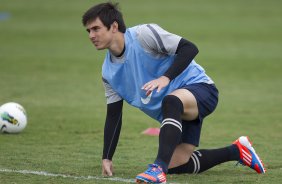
248 155
154 174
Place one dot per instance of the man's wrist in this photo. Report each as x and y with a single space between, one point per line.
165 78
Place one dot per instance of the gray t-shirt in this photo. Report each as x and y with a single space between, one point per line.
156 41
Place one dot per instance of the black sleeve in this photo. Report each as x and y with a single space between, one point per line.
186 52
112 129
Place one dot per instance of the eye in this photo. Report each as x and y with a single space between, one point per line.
88 30
96 29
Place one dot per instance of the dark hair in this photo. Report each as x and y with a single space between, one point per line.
108 13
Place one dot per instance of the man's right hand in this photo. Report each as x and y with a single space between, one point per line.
107 167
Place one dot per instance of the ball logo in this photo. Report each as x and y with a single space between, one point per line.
12 118
7 117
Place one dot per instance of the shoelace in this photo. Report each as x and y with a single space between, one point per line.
153 168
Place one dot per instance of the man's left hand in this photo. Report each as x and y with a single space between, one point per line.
159 83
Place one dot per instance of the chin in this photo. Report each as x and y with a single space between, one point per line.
99 47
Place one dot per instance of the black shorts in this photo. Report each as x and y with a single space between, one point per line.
207 98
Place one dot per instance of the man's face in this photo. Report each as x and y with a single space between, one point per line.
99 34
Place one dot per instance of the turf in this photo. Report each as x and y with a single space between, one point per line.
49 66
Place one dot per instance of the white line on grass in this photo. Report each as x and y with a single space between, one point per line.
44 173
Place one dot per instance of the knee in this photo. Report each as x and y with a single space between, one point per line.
171 101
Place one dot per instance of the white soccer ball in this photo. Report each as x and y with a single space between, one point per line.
13 118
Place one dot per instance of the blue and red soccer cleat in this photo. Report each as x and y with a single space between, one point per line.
154 174
248 155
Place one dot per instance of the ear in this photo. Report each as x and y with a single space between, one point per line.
114 27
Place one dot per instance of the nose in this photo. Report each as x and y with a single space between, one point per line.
92 35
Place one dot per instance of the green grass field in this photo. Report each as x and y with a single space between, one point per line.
48 65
